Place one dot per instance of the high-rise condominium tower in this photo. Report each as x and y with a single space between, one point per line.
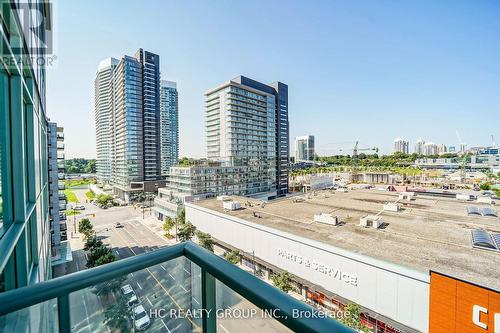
169 125
104 117
304 148
401 146
57 198
419 147
247 125
128 124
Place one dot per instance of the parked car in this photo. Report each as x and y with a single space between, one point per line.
79 207
118 225
127 291
141 318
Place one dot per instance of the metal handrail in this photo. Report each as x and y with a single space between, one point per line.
261 294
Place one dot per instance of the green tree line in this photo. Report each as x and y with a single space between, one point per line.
80 165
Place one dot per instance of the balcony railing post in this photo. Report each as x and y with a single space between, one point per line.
63 314
208 302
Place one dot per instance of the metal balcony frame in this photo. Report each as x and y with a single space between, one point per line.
258 292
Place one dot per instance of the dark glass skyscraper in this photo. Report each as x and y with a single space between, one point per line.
129 108
150 65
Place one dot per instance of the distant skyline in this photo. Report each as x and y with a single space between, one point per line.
356 70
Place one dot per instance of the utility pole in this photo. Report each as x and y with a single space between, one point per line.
74 219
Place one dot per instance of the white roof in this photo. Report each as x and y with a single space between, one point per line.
106 63
168 84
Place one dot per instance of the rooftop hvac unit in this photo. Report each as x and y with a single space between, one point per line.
407 196
326 218
463 196
371 221
231 205
391 207
487 200
223 197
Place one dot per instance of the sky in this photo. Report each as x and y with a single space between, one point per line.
366 71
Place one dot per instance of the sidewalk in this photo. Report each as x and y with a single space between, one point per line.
155 226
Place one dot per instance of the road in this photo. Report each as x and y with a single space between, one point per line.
175 284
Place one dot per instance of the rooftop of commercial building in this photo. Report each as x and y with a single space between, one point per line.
429 233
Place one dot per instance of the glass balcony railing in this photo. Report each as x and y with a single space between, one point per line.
181 288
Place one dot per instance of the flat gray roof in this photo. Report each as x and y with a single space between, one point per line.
430 233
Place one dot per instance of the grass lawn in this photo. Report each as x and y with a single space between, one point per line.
79 182
90 195
71 196
72 212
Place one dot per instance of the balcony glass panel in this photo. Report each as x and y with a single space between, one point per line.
41 317
154 298
181 288
239 315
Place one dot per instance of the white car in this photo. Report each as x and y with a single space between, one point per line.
141 318
128 292
79 207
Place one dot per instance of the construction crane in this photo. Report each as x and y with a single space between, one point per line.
354 158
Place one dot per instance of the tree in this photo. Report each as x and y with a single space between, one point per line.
99 256
352 319
105 258
205 240
141 197
181 216
104 199
92 243
91 166
233 257
168 224
186 231
85 227
485 186
185 161
117 316
282 281
80 165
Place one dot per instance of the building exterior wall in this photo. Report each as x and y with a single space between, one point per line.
478 162
128 141
104 118
240 127
396 292
304 148
24 190
458 306
247 125
128 123
57 198
401 146
169 126
419 147
150 66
